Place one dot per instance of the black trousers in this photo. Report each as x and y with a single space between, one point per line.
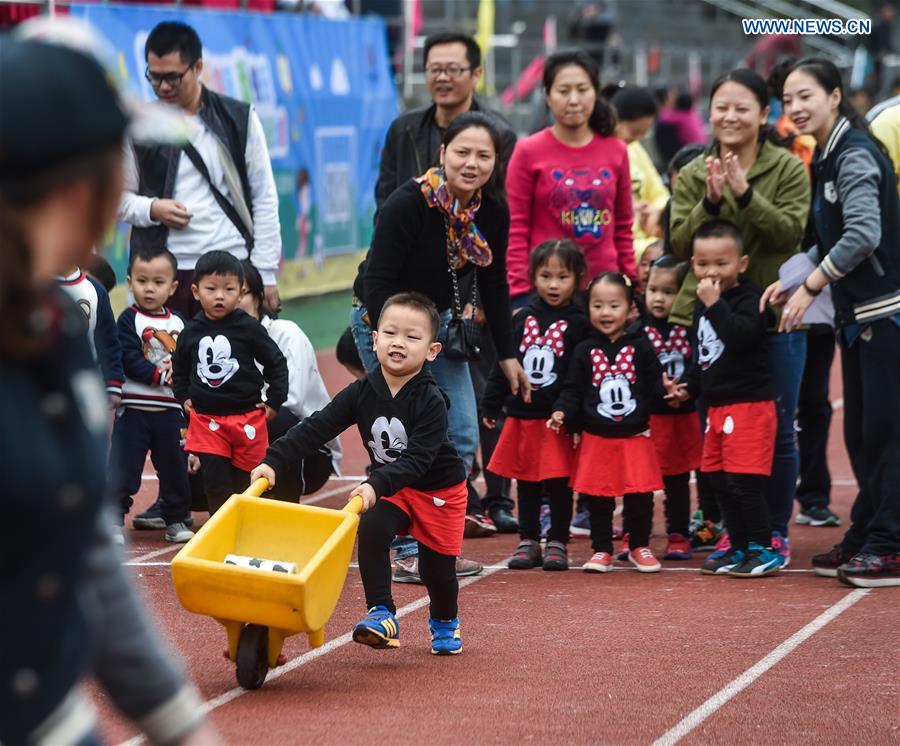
871 369
637 516
744 506
377 528
814 419
307 475
678 503
135 432
497 494
221 480
559 495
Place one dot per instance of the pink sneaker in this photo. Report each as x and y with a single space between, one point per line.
678 548
781 545
643 560
724 543
599 562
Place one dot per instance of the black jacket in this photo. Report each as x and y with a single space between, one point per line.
731 350
214 365
412 144
53 444
545 338
611 386
672 344
865 285
409 252
405 435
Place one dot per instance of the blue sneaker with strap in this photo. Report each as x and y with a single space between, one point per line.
445 639
758 562
378 629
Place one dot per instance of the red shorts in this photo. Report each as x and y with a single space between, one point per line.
241 438
740 438
436 518
678 442
610 467
531 451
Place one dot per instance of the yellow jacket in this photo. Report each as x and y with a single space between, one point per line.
646 186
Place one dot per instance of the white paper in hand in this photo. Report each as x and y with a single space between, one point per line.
792 274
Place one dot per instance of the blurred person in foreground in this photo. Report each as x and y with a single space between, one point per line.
75 611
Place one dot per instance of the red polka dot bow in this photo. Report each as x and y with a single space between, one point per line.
677 341
623 365
553 338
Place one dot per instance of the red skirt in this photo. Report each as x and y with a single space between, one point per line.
678 442
531 451
436 519
610 467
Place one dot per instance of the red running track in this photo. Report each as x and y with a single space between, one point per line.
626 658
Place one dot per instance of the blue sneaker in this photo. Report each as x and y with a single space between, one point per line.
759 562
545 520
722 562
445 639
581 524
378 629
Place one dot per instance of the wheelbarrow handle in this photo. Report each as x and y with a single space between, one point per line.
355 505
258 487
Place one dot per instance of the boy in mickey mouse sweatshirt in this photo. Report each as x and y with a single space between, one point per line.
418 482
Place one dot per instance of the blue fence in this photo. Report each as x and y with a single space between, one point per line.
324 93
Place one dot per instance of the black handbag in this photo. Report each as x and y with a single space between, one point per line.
463 335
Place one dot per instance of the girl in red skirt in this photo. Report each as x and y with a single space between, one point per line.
613 378
676 431
546 332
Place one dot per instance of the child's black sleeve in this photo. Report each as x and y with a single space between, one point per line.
572 393
311 433
135 365
181 365
425 441
106 342
275 371
651 370
740 327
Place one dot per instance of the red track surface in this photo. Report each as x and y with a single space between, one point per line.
566 657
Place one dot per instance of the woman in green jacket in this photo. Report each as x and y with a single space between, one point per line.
748 178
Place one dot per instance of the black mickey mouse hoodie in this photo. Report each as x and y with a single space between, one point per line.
545 338
405 435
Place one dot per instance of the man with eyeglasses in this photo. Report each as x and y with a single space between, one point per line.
217 192
452 71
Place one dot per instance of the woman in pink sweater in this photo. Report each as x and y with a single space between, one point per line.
571 180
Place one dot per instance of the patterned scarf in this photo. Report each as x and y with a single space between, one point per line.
463 231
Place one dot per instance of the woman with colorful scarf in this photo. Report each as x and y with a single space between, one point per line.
461 200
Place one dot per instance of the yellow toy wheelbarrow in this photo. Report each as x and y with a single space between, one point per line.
259 609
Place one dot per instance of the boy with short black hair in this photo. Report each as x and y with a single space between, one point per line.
217 380
418 481
732 366
150 418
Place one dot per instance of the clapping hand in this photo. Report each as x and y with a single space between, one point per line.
715 180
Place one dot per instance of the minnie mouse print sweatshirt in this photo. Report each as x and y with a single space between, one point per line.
672 344
610 386
214 365
405 435
545 338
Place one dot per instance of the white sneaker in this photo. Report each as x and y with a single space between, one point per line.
118 535
178 533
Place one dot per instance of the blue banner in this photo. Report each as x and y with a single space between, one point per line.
322 89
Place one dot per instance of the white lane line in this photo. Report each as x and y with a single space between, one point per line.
302 660
710 706
154 554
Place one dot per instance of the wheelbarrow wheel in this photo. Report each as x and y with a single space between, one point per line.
253 656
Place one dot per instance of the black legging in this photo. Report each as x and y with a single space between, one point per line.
560 498
377 528
637 519
221 480
678 503
743 501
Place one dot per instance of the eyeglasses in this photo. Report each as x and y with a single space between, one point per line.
451 71
173 80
